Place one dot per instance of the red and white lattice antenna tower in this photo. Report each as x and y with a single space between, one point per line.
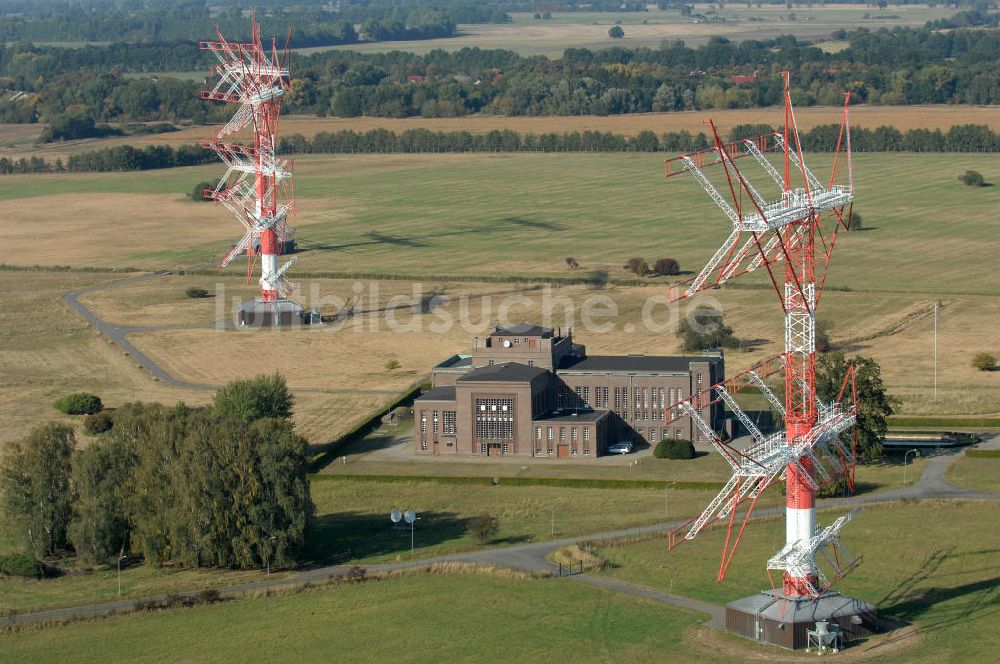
257 185
798 228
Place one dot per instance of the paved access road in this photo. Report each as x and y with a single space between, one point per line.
532 557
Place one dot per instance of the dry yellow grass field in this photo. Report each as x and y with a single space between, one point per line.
89 233
48 351
338 371
17 141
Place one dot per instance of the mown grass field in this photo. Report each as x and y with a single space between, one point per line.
352 525
930 563
415 618
974 473
501 214
530 36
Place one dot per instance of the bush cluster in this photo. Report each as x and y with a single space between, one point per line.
98 423
674 449
21 564
79 403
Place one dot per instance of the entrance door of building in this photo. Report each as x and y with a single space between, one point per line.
493 449
562 451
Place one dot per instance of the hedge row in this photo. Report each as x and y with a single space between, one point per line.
956 422
562 482
363 429
983 454
959 138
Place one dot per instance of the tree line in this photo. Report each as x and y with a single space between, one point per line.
313 23
899 66
223 485
823 138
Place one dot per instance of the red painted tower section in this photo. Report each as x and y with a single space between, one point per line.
257 185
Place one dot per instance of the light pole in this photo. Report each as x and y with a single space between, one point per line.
411 518
120 559
269 554
553 510
915 453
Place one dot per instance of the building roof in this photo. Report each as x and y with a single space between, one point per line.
506 372
455 363
645 363
443 393
794 610
570 416
522 330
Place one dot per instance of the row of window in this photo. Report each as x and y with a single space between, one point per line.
494 418
448 422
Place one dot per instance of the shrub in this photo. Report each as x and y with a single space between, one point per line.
854 223
97 423
196 293
21 564
616 32
972 179
79 403
571 263
984 362
636 265
484 528
198 193
674 449
666 267
392 364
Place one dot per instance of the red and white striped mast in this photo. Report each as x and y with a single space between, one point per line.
257 185
809 451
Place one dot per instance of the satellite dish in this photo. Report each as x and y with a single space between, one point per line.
410 516
506 343
395 516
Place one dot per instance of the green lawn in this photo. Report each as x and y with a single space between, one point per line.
931 563
500 214
444 618
975 473
352 526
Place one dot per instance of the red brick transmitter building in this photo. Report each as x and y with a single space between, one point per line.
531 391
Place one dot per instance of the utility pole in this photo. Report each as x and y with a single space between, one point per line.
935 348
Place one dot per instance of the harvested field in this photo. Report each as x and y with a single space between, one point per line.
530 36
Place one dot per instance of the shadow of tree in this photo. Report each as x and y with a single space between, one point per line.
345 536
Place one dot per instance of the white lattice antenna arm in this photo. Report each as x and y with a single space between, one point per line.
709 434
771 397
814 183
713 263
712 191
744 419
764 163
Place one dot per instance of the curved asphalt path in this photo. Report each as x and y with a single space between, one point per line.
532 557
118 334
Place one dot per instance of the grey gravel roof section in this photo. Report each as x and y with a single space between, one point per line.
831 605
522 329
443 393
506 372
645 363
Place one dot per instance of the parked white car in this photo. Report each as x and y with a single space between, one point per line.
621 447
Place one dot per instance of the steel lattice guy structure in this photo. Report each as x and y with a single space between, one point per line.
257 185
810 451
